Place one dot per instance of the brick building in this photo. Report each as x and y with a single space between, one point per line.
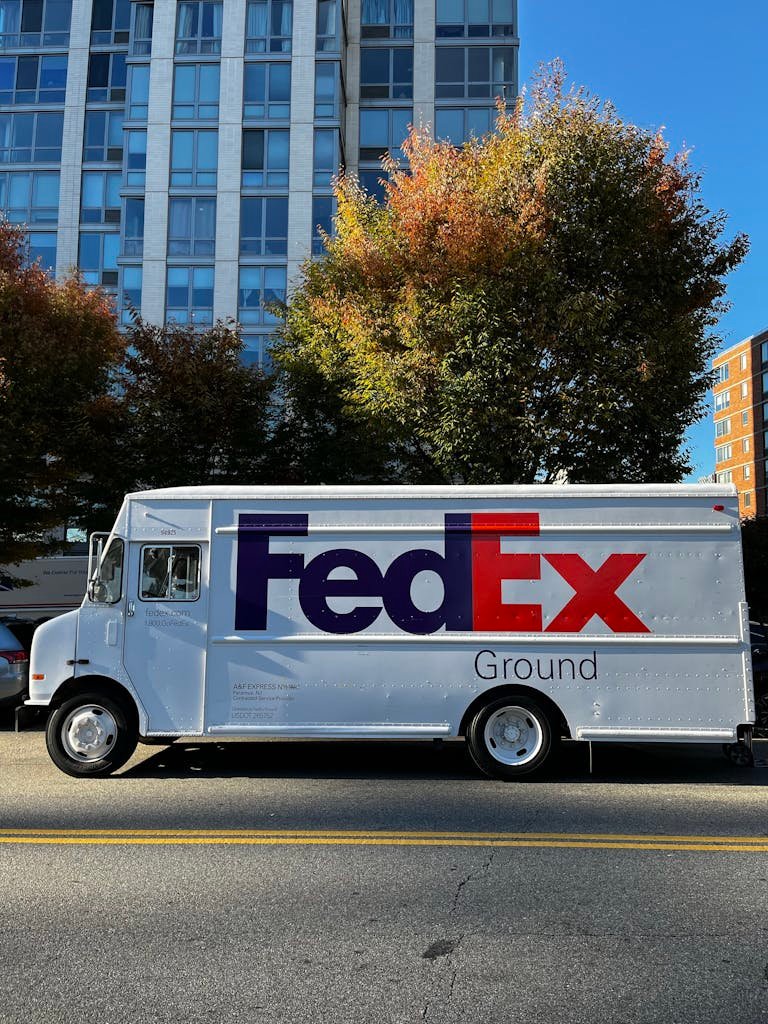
740 420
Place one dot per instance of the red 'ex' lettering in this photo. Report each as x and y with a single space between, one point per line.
595 594
490 567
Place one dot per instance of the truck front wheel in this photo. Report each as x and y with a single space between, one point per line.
91 734
510 737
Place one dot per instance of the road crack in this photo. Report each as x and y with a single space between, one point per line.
445 949
479 875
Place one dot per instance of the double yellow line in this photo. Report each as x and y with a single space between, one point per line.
354 837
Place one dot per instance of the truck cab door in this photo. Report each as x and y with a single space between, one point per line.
100 619
164 645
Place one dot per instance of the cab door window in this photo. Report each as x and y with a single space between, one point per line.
170 573
106 585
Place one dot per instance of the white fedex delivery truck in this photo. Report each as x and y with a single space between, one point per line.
512 616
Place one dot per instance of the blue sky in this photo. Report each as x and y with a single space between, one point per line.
697 67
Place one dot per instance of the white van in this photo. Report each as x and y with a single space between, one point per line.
512 616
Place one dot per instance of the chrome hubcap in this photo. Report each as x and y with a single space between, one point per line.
513 735
89 733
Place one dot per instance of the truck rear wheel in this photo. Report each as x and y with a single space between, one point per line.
510 737
91 734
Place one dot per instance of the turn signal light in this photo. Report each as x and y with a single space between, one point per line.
38 675
718 508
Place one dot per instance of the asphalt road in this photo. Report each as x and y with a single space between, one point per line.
348 882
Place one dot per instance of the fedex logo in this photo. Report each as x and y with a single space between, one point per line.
472 570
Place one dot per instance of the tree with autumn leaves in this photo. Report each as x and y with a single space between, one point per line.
58 347
537 305
88 413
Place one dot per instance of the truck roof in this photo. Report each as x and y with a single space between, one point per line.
357 491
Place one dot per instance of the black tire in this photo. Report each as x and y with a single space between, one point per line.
118 742
156 741
504 759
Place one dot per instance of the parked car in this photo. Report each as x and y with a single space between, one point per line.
14 668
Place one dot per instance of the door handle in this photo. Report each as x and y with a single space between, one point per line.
131 610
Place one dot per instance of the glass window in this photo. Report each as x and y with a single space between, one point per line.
106 78
194 157
196 92
327 25
374 183
260 289
103 141
387 19
723 452
268 26
198 26
474 72
53 79
131 294
189 295
723 427
98 258
383 130
764 352
726 477
110 21
264 226
42 247
141 39
722 373
30 197
135 157
327 88
459 125
133 227
747 472
722 400
30 137
100 203
33 79
138 92
747 499
323 212
386 73
36 24
474 18
10 23
256 350
744 419
267 92
56 21
265 158
191 227
170 574
106 587
327 160
744 389
745 445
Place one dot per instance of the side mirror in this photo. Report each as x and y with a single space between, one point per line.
97 591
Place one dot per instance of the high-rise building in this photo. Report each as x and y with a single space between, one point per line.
182 153
741 421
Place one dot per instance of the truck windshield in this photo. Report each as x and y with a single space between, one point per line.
106 585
